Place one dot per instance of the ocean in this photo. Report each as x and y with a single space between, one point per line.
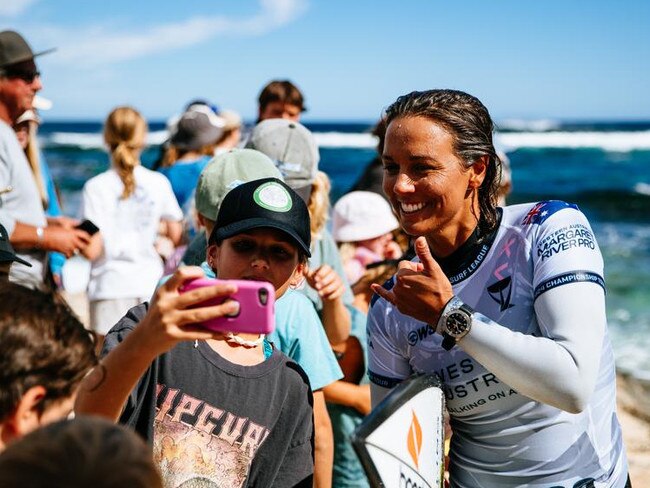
604 167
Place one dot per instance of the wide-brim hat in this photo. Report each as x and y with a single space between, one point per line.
7 253
14 49
362 215
265 203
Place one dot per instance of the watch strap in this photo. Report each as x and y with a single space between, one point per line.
448 342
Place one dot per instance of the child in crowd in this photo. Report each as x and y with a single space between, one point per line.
192 144
78 453
363 224
293 148
128 202
253 425
45 352
295 152
298 330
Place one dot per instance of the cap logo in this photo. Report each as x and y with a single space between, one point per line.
273 196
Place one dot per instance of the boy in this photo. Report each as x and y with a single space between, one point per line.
230 411
45 352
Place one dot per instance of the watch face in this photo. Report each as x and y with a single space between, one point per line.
457 323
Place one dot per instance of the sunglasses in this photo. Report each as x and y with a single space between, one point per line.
28 76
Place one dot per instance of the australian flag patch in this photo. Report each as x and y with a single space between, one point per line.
543 210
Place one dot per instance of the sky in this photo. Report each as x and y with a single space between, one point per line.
557 59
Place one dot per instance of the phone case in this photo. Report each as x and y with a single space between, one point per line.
256 306
88 226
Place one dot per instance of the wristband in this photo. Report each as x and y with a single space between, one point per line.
40 232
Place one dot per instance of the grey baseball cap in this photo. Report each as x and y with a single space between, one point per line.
293 148
197 127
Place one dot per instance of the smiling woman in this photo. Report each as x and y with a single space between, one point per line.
521 344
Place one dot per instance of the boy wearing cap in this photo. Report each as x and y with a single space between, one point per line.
21 210
225 409
299 332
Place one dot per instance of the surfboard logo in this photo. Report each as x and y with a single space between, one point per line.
414 440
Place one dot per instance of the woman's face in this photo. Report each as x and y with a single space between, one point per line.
427 184
261 254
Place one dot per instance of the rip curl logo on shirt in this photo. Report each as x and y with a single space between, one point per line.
273 196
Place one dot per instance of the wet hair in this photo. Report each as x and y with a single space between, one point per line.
281 91
41 343
124 132
470 125
85 451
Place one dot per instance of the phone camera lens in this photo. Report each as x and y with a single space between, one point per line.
263 295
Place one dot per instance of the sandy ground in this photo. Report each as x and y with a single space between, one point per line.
636 432
636 436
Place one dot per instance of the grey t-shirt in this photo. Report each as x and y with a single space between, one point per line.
217 423
20 201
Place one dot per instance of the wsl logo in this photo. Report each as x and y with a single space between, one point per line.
501 292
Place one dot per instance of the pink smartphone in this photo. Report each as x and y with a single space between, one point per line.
256 306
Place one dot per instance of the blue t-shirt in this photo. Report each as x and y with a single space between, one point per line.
184 176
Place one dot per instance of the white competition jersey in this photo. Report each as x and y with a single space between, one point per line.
502 438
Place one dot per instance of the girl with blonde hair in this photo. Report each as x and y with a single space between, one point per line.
129 204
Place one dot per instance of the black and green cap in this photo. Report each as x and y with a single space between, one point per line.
267 202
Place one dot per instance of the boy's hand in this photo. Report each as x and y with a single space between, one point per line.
326 282
169 320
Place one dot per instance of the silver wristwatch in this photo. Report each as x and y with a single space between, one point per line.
455 322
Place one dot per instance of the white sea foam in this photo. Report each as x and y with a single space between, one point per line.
523 125
94 140
607 141
343 139
642 188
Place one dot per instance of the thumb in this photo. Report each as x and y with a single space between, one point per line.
424 254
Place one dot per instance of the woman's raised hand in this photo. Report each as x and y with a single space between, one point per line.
421 290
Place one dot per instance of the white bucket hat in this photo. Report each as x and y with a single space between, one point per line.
362 215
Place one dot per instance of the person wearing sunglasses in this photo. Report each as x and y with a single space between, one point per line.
21 209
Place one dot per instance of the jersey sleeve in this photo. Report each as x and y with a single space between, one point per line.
387 365
565 250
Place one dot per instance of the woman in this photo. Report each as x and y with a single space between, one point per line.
128 202
506 305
